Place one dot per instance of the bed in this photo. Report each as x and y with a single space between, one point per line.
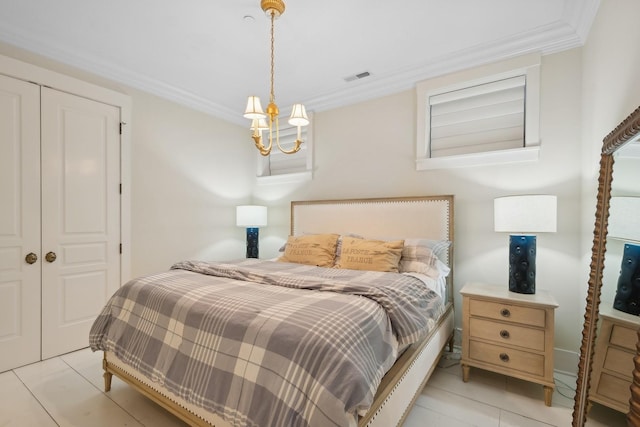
320 379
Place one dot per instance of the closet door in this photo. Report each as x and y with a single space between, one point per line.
19 223
80 216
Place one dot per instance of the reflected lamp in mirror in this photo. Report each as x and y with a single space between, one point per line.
522 216
252 217
624 224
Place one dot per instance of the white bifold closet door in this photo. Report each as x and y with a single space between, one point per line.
19 222
59 187
80 216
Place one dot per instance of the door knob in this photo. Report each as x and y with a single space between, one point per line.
50 256
31 258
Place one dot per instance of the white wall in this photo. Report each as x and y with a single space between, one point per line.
190 170
611 91
368 150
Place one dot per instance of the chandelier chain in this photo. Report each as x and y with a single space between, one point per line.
273 8
273 17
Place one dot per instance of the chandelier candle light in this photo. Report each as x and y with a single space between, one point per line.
254 112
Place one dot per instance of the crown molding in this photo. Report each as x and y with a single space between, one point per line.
546 40
568 33
111 71
580 15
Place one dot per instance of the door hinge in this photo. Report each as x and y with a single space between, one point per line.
120 189
121 124
120 247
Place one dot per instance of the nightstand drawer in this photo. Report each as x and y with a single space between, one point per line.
507 333
614 388
619 361
612 369
507 358
507 312
624 337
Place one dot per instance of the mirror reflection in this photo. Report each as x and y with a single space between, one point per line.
623 230
620 299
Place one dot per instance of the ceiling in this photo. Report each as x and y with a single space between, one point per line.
212 54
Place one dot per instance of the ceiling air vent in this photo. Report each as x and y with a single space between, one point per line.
357 76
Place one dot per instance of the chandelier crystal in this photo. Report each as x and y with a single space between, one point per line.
261 121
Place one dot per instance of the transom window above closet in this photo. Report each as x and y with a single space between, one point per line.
279 168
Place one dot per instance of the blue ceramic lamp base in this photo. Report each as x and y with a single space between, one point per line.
252 242
522 264
627 297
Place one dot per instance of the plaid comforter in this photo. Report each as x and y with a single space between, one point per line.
249 341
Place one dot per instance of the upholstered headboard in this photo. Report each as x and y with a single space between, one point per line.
427 217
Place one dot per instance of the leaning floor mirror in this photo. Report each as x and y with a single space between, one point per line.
609 366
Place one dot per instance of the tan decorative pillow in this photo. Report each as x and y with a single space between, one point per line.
312 249
372 255
339 247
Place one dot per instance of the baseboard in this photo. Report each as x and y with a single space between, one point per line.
566 361
457 337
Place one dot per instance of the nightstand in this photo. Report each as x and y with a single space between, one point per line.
612 372
508 333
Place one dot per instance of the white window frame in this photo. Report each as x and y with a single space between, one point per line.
263 174
529 66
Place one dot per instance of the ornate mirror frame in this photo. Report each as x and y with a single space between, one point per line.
624 132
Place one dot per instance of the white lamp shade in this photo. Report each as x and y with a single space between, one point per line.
624 218
298 116
525 214
251 216
254 109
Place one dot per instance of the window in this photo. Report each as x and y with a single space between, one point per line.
279 167
483 116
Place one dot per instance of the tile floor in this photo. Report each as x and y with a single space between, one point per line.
67 391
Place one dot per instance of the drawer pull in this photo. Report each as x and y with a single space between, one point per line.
505 312
504 334
504 357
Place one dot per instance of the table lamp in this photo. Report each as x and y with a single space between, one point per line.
252 217
521 216
624 224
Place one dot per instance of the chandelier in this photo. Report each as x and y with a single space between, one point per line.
261 121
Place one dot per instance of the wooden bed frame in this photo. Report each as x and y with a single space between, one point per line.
424 217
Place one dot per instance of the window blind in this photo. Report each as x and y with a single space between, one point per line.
486 117
280 163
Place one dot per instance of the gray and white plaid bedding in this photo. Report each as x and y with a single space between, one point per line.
265 343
